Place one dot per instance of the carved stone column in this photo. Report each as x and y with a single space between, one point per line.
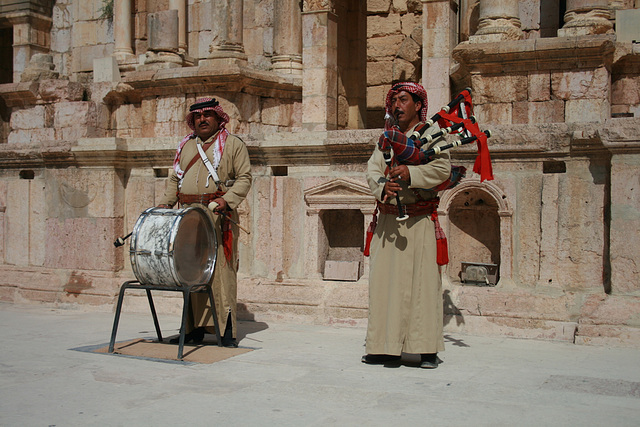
498 21
287 37
320 71
227 44
439 22
180 6
163 41
122 31
586 17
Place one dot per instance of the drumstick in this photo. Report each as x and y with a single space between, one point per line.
214 205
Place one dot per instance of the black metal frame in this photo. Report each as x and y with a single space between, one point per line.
186 293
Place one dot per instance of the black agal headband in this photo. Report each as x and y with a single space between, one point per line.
206 104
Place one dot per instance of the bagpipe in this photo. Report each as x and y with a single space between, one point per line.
455 117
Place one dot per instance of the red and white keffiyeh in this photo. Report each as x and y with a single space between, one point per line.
201 105
414 88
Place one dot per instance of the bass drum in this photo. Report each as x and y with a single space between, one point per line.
173 247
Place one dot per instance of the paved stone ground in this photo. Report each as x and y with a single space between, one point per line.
301 375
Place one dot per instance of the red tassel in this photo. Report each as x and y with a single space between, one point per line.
442 257
442 249
227 239
367 246
370 230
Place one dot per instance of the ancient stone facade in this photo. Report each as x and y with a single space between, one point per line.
93 94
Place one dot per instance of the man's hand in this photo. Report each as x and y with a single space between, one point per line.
222 205
390 190
400 173
164 206
391 187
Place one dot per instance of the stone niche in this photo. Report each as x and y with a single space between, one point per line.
338 213
477 221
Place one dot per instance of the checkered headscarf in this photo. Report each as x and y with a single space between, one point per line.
206 104
410 87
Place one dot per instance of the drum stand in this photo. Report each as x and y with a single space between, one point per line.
186 292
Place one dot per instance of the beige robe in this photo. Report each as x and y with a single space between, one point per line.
234 164
405 290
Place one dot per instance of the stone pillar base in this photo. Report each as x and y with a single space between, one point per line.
226 59
161 60
287 64
595 21
495 30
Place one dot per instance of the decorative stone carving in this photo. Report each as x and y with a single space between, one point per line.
318 6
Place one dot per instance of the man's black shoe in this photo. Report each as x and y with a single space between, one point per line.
196 335
379 359
229 343
429 361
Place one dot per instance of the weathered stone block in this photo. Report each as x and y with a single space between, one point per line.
499 89
341 270
625 220
69 114
87 243
411 25
378 6
494 113
16 228
587 110
170 109
607 335
84 33
378 25
61 90
539 86
379 73
82 56
376 96
581 84
384 47
404 71
28 118
61 42
625 90
409 50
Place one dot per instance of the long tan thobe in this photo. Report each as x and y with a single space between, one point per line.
405 290
234 165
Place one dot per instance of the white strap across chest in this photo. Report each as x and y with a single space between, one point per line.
209 166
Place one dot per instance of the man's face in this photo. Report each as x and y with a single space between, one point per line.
206 124
405 110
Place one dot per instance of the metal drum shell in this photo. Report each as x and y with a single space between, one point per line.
161 267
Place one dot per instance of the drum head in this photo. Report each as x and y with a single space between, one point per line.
194 248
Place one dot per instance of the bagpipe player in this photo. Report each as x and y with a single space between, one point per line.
405 289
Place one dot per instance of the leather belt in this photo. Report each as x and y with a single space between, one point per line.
205 199
420 208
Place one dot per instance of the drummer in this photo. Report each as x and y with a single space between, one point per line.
212 168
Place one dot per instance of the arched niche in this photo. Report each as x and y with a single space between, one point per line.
338 214
477 220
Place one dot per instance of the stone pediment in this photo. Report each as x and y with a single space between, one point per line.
339 194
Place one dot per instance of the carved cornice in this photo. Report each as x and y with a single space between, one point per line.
568 53
215 79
